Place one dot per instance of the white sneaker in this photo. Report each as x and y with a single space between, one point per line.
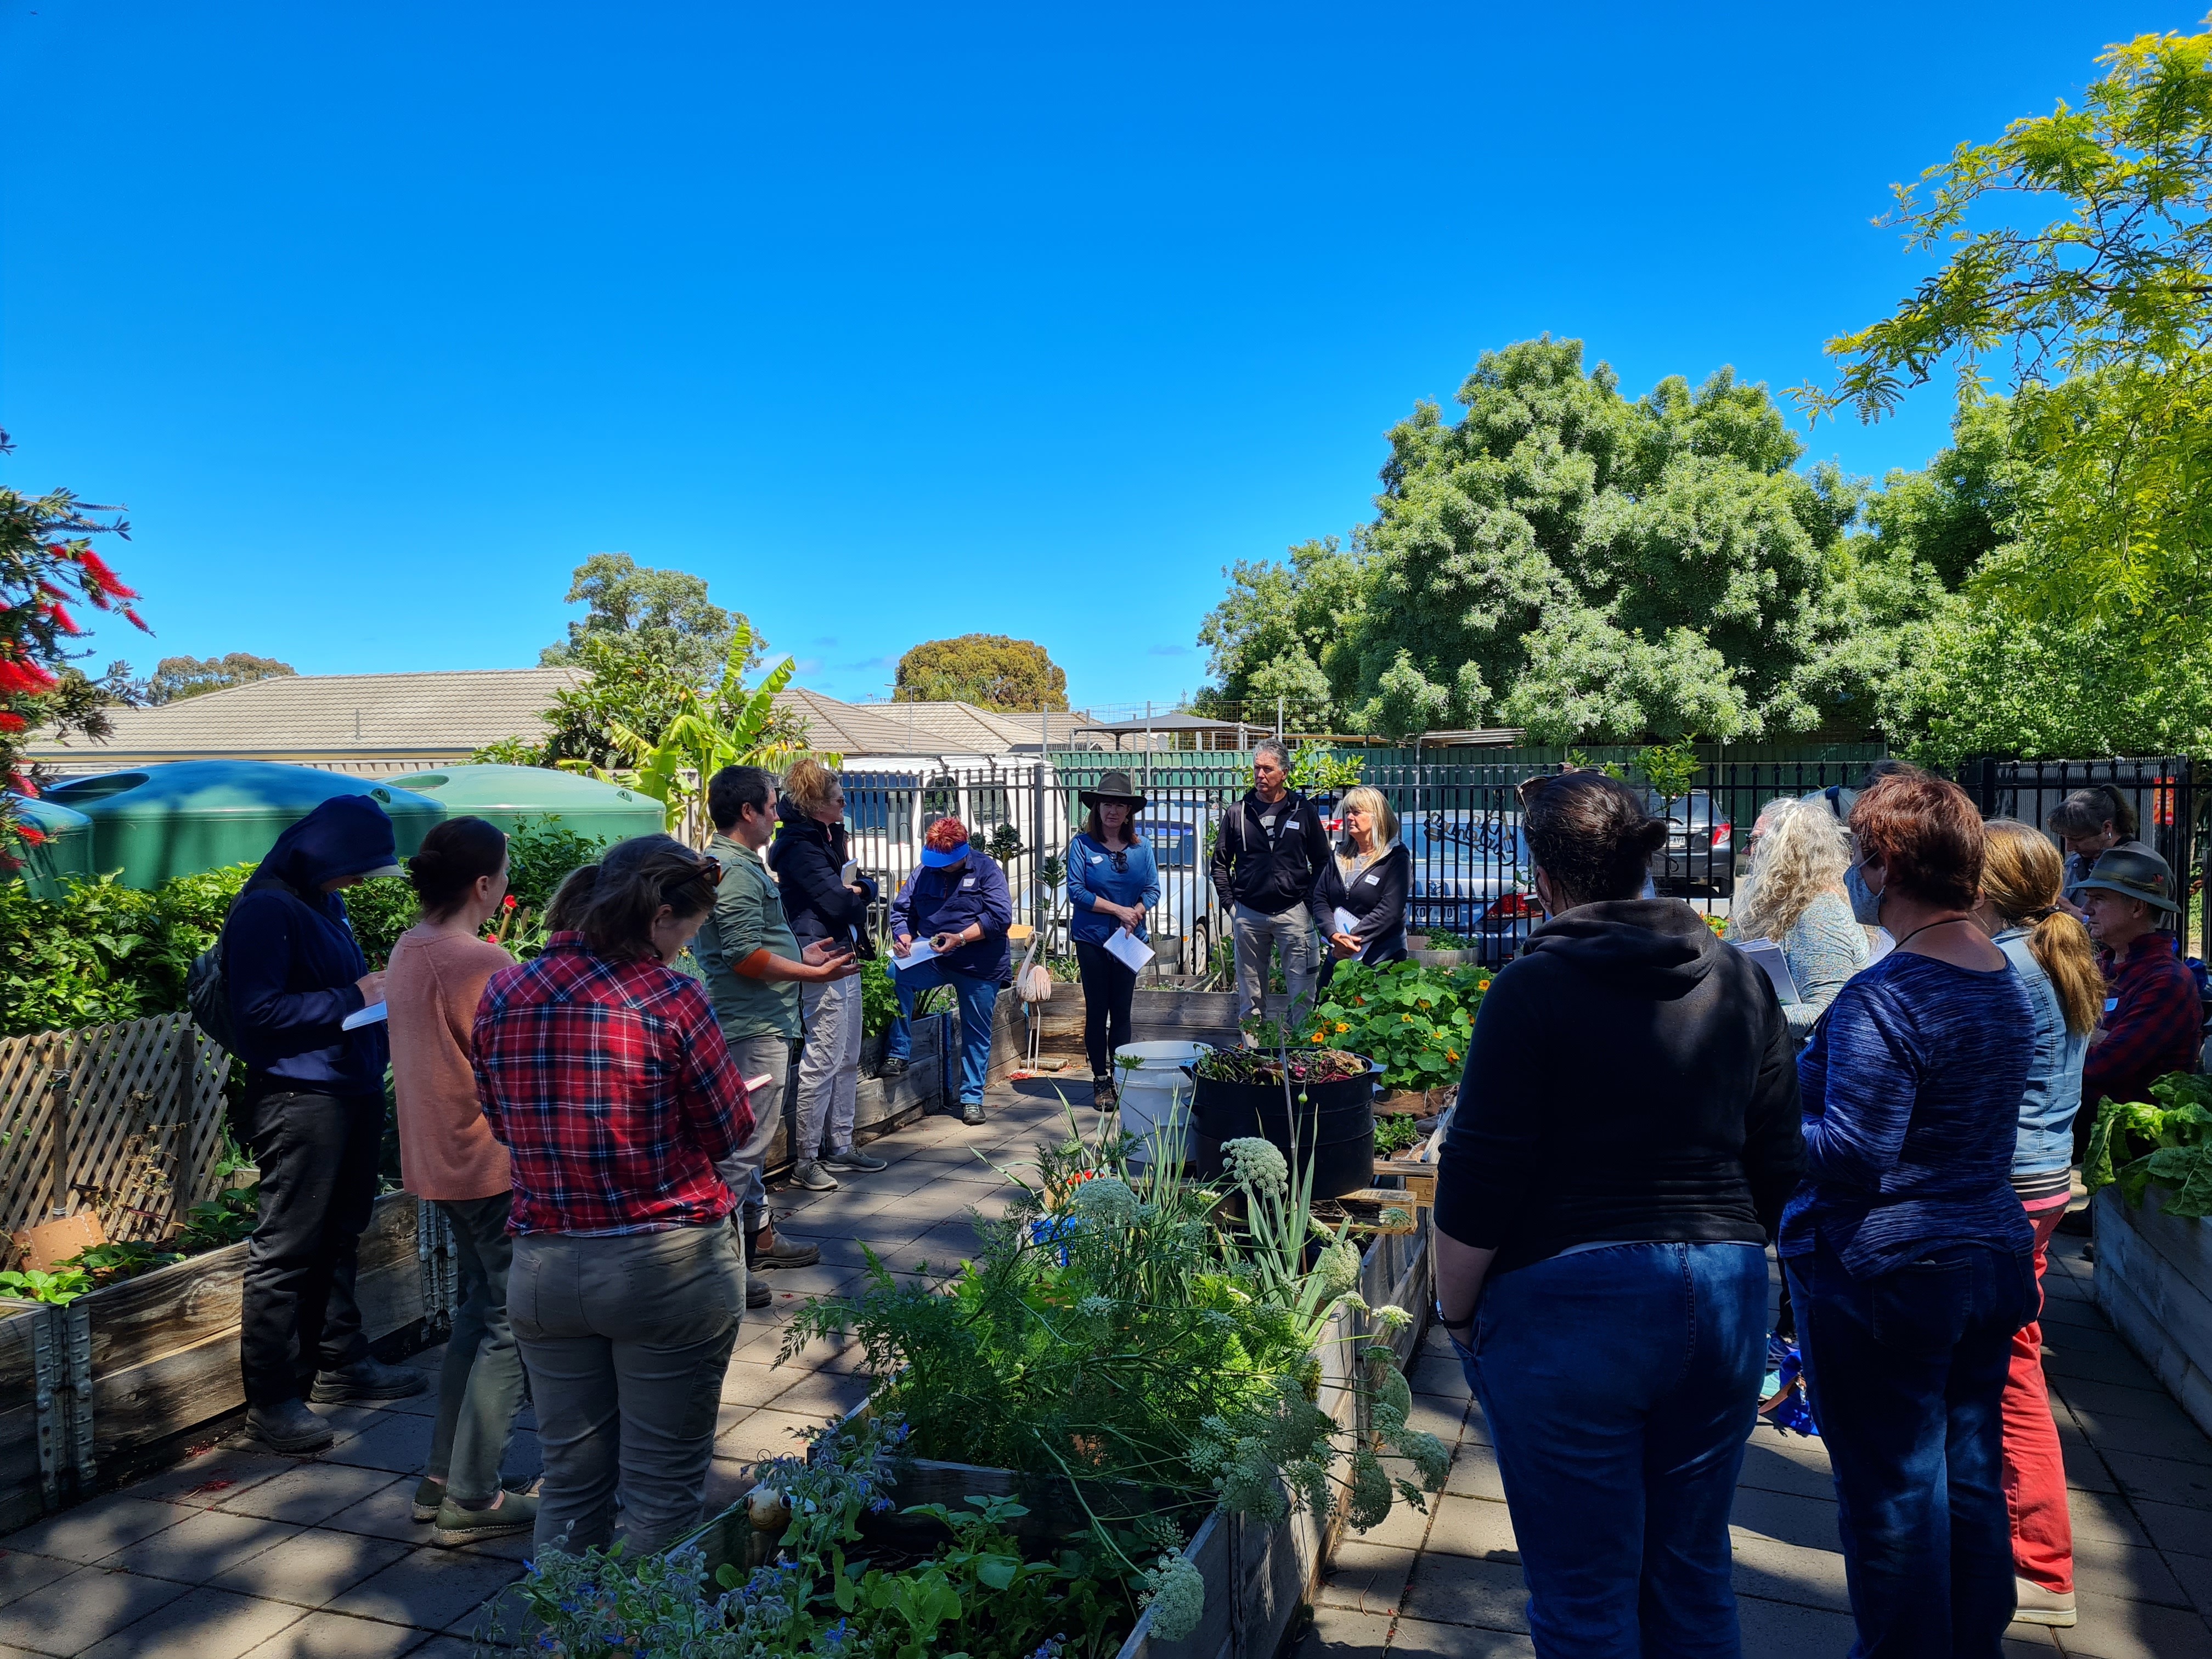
2034 1605
814 1178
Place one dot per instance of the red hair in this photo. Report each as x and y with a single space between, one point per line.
944 835
1926 835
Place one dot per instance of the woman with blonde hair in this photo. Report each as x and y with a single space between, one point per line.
1794 897
2022 908
1364 884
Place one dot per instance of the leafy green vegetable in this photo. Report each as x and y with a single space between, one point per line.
2167 1139
61 1287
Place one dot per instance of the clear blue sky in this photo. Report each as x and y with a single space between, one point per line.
896 322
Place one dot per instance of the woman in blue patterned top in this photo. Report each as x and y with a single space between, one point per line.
1910 1261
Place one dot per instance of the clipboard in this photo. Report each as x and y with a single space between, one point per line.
1776 966
374 1014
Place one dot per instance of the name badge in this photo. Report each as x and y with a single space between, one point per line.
1367 880
1098 858
967 881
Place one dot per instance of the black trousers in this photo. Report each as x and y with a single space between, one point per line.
1108 986
318 1155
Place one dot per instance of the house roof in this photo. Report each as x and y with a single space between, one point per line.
352 722
375 725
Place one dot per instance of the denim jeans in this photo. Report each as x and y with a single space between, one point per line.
978 1000
1620 1383
480 1386
1907 1372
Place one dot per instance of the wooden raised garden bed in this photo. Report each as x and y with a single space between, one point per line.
2154 1283
122 1375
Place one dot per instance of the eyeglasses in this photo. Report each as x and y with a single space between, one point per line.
1528 788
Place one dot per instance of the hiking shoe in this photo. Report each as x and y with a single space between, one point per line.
894 1067
2039 1605
854 1161
781 1252
758 1294
814 1178
1102 1093
510 1513
368 1379
971 1112
289 1426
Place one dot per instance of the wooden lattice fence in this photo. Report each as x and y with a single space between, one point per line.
140 1106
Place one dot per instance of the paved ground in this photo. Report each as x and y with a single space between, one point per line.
2139 1474
240 1553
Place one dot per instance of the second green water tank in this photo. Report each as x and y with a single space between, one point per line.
510 796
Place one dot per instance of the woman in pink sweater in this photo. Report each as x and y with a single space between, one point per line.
447 1154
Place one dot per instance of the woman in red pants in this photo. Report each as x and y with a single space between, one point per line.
2021 875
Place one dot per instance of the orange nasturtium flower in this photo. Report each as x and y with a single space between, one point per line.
1319 1036
1341 1026
1451 1055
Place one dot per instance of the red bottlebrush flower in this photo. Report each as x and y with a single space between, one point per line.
11 722
63 620
31 834
96 568
135 620
507 903
23 678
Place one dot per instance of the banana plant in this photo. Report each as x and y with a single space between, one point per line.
729 726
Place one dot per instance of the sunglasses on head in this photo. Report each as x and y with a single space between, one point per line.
1528 788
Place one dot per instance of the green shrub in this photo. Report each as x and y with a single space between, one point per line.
1416 1020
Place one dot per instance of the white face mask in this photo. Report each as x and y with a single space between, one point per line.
1865 902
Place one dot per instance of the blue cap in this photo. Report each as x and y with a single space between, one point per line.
933 860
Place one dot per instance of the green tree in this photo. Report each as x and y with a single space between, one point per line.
1565 560
988 670
664 615
174 678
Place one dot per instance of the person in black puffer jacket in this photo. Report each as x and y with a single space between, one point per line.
809 857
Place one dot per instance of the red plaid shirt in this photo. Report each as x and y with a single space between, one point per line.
609 1083
2154 1022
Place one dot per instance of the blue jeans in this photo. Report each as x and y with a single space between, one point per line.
978 999
1620 1384
1907 1372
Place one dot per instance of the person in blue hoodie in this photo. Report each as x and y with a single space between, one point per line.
312 1114
956 899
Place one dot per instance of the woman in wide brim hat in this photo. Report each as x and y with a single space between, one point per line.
1112 881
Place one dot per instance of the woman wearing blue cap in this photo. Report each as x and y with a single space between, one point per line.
956 901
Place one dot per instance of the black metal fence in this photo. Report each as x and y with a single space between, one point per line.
1459 818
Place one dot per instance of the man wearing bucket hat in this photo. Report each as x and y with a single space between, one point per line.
1112 880
957 902
2153 1020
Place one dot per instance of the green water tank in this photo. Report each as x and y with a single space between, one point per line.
510 796
155 822
64 848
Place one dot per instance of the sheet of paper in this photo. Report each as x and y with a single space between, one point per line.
1880 945
373 1014
1346 922
1129 950
755 1084
1768 955
915 957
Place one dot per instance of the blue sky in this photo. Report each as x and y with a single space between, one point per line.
896 322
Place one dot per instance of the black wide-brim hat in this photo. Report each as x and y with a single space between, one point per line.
2133 875
1114 786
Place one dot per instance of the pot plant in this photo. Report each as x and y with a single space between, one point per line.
1313 1104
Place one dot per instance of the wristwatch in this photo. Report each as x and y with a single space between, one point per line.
1436 1311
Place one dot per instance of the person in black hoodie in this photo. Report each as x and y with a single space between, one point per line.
1626 1138
312 1114
1271 847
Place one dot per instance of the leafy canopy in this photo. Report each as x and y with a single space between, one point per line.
174 678
988 670
664 615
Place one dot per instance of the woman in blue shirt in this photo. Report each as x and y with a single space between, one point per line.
1910 1261
1112 881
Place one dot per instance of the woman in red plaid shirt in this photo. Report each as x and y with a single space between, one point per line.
603 1071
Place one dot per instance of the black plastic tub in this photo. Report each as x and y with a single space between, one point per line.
1336 1128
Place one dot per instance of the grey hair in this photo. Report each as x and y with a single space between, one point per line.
1274 746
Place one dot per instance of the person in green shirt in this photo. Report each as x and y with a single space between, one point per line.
753 968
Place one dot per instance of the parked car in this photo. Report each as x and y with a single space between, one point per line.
1470 876
1700 850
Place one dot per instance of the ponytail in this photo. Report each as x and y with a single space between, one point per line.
2061 944
454 856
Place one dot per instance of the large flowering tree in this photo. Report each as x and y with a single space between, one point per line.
46 565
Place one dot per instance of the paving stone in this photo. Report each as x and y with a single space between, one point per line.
334 1636
312 1493
1439 1375
1795 1573
2098 1366
2169 1434
2161 1480
1791 1630
1785 1517
1341 1632
432 1589
21 1572
1371 1577
1418 1638
387 1512
1474 1473
207 1479
767 1433
1444 1418
313 1569
69 1615
752 1384
2172 1527
2102 1514
818 1394
1480 1527
202 1624
393 1442
2136 1571
1457 1589
2110 1400
2112 1628
1772 1463
93 1532
2086 1468
201 1545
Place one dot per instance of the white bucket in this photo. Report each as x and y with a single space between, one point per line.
1154 1089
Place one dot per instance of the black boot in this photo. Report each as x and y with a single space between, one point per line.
289 1426
368 1379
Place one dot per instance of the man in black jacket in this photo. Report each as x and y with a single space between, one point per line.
1271 846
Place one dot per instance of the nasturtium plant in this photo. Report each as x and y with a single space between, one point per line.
1414 1019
